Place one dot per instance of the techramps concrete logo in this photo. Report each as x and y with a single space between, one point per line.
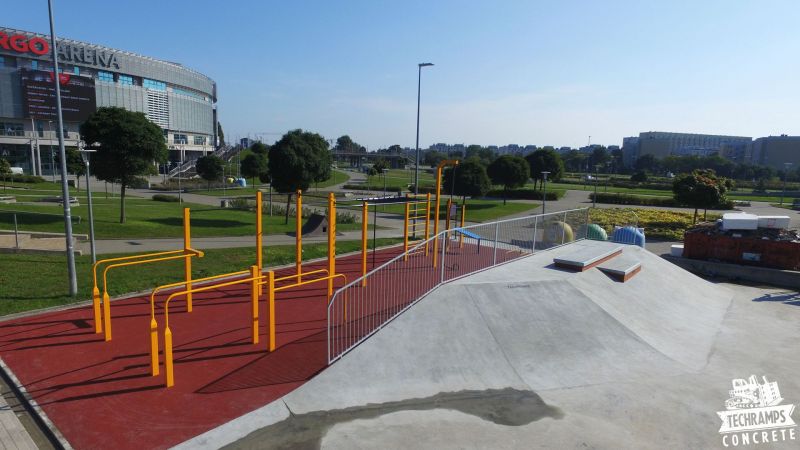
754 414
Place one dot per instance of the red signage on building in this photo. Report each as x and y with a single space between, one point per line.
23 44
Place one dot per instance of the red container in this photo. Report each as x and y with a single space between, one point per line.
744 250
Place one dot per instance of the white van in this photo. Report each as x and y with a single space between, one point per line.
17 171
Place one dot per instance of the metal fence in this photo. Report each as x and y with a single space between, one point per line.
365 305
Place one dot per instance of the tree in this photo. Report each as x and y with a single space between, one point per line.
210 168
509 171
297 160
599 157
700 189
380 166
75 164
5 167
255 165
575 161
545 160
639 177
127 144
347 145
470 179
647 162
433 158
259 148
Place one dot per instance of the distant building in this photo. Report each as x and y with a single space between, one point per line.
630 150
663 144
775 151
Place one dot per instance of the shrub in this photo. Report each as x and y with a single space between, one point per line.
166 198
24 178
643 200
366 187
526 194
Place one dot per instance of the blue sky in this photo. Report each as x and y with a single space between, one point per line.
526 72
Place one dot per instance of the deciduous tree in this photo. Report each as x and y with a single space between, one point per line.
509 171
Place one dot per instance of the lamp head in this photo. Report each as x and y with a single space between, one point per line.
425 64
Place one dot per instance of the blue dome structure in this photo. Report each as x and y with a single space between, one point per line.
629 235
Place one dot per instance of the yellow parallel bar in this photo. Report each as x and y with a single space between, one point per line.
303 283
187 267
438 205
364 231
287 277
331 241
298 233
271 307
405 235
255 274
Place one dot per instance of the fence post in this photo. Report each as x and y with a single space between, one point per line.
187 261
444 252
496 235
588 219
564 228
535 229
16 233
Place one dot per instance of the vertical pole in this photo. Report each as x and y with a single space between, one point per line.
255 274
444 252
427 219
259 238
564 228
91 214
496 236
364 231
187 244
271 306
436 215
16 233
73 280
154 369
331 241
299 235
463 221
405 233
168 357
447 218
106 313
416 161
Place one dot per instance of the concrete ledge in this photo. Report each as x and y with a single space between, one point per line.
42 234
622 268
735 272
585 259
36 251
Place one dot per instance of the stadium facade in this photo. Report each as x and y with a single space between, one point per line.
179 100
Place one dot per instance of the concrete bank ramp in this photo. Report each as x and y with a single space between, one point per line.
525 326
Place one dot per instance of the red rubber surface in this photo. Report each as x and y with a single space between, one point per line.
101 394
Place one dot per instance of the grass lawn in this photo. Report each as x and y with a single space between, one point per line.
39 281
658 224
733 195
338 178
146 218
400 178
477 210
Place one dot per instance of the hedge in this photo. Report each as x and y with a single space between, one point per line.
525 194
643 200
166 198
23 178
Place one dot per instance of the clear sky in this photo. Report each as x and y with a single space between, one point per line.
526 72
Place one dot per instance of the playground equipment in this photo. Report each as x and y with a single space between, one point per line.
439 167
102 319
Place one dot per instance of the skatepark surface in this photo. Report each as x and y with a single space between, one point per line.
526 355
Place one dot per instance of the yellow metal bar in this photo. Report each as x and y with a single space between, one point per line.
447 219
416 217
298 234
271 307
364 215
187 244
331 241
427 219
153 347
442 164
303 283
255 274
98 321
259 235
405 235
287 277
168 357
106 299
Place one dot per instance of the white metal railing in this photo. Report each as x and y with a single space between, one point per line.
366 304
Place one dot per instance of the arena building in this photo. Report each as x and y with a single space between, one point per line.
179 100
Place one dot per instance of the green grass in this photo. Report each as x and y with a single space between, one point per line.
734 195
250 190
146 219
400 178
39 281
477 210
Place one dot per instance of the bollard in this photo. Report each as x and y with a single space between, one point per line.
107 314
154 346
98 321
168 357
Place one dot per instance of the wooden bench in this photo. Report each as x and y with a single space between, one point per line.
622 268
587 257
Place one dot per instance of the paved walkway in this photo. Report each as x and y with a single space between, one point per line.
13 435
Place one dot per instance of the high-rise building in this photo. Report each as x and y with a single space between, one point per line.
663 144
776 151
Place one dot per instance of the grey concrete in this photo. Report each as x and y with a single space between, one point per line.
734 272
621 266
586 253
644 364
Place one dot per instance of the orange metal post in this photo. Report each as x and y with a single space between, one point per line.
436 215
168 357
98 321
299 235
259 235
153 346
187 245
255 273
271 307
364 228
331 241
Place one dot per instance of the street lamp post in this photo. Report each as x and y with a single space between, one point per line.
785 175
180 166
594 199
84 154
73 280
544 193
416 164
